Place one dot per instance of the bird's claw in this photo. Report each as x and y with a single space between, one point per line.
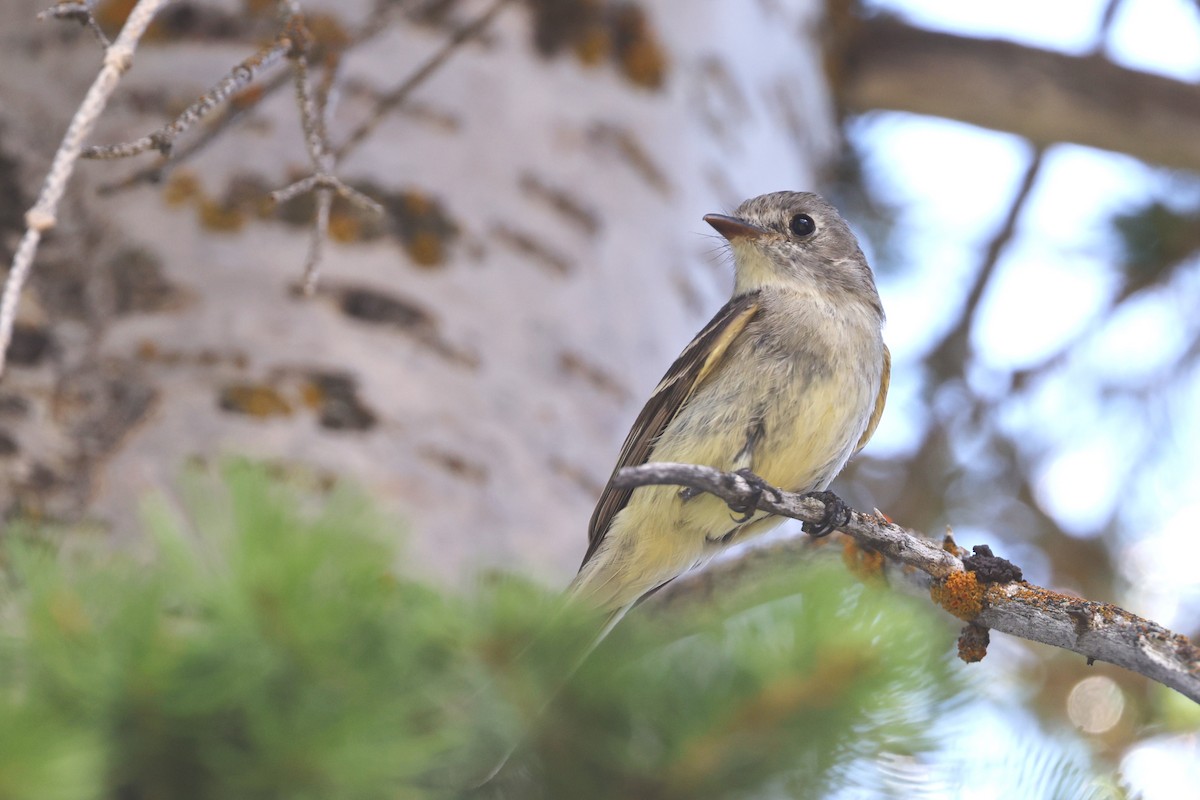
749 504
836 515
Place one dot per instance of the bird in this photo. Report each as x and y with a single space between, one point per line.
785 384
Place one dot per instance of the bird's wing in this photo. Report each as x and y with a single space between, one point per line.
880 399
695 363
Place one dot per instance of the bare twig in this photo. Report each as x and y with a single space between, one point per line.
81 12
316 140
326 182
155 173
313 105
312 112
1099 631
41 218
313 108
316 243
237 79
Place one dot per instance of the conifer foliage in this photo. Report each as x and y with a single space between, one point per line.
273 646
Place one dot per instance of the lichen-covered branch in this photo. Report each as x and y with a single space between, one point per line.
984 591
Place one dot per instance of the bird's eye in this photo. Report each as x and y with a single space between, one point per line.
802 225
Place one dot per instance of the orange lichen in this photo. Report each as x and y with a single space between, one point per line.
644 63
960 594
182 187
218 216
312 395
421 224
425 249
416 204
593 46
973 643
599 30
255 400
639 53
111 14
344 227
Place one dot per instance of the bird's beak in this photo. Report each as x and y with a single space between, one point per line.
733 228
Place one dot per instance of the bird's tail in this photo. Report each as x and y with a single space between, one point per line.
610 622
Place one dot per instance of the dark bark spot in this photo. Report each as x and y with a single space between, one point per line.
338 406
29 345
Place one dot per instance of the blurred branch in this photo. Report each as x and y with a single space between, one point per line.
236 79
386 104
957 338
982 590
155 173
1044 96
42 217
81 12
314 108
1106 21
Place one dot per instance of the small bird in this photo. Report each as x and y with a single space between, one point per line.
786 383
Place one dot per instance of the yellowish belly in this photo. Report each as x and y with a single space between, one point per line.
808 432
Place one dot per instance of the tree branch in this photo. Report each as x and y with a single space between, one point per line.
978 589
42 217
1043 96
952 346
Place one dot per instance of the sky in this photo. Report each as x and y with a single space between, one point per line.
954 183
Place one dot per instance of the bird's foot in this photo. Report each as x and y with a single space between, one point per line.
749 504
836 515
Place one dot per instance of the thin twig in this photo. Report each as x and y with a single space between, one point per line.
1099 631
41 217
316 244
163 139
158 171
316 141
81 12
312 117
155 173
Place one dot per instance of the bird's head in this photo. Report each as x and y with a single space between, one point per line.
795 240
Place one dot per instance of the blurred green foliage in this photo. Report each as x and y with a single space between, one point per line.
276 646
